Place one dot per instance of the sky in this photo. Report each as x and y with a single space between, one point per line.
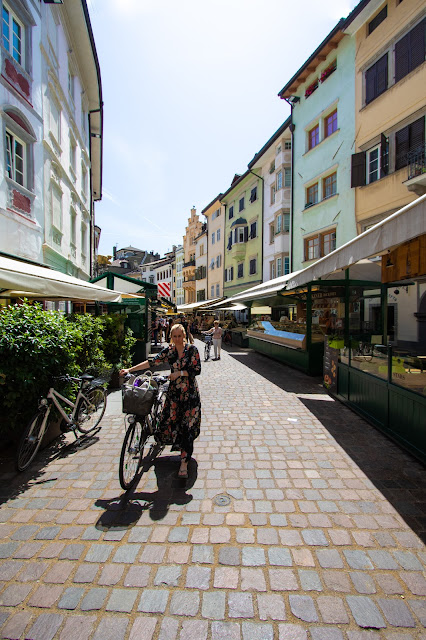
190 95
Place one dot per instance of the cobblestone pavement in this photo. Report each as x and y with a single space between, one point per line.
320 539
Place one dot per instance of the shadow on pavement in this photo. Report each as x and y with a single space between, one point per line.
398 475
125 511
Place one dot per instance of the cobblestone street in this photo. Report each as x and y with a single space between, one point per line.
299 521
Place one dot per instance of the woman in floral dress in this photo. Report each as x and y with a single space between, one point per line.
181 417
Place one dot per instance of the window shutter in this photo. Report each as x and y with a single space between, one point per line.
402 63
230 241
358 169
418 44
245 234
417 135
384 155
382 74
402 147
370 84
232 273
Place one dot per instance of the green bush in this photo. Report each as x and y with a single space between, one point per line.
38 345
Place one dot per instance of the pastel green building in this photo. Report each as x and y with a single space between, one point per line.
243 233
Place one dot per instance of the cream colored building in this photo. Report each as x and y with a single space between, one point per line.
215 214
388 168
192 230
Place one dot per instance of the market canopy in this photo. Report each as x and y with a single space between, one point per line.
18 278
192 306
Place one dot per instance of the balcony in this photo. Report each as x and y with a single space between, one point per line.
238 251
189 283
191 263
416 180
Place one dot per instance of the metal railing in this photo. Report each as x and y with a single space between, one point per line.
416 162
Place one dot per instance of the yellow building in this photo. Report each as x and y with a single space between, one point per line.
388 167
192 230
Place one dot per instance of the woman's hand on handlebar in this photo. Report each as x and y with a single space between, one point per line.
124 372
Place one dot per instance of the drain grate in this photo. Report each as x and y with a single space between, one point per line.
222 500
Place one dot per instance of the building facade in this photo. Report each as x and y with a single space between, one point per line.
322 96
179 294
201 264
192 231
215 215
51 100
273 163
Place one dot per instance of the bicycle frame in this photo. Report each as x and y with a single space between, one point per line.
53 395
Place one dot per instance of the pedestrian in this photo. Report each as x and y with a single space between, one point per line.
188 333
155 330
169 328
181 417
216 333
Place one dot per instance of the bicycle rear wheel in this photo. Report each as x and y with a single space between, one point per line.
131 454
91 409
30 441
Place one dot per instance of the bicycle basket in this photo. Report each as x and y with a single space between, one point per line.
139 395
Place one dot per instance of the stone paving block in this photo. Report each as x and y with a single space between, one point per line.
382 559
94 599
48 533
408 560
27 550
71 598
194 629
336 581
14 594
419 608
152 554
245 536
51 550
91 533
292 632
168 575
32 571
46 626
310 580
78 627
314 537
137 576
111 628
16 625
414 581
60 572
86 573
329 559
185 603
326 633
271 607
303 607
72 552
111 574
240 605
365 612
153 601
121 600
140 534
279 557
143 628
169 629
198 577
253 580
363 582
290 538
226 631
226 578
332 610
396 613
46 596
229 555
213 605
24 533
283 580
256 631
178 534
126 553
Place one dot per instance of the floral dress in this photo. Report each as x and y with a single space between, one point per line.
181 417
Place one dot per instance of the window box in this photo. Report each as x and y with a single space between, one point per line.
328 71
312 87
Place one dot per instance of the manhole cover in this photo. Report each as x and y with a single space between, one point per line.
222 500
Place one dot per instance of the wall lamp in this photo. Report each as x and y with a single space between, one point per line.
95 135
293 99
53 1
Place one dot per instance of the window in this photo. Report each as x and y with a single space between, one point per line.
55 121
253 194
151 279
279 267
240 270
73 155
217 290
279 180
16 158
312 195
287 177
286 220
216 214
273 191
83 240
84 180
212 263
213 237
271 233
320 245
71 81
56 208
410 138
286 265
329 186
330 124
272 167
272 270
73 237
241 234
253 230
201 250
229 274
218 235
313 137
287 144
328 242
373 166
278 223
218 260
231 212
278 150
252 266
382 15
376 79
410 51
212 291
13 35
241 205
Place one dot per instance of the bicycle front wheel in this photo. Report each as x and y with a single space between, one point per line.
131 454
206 352
31 440
91 409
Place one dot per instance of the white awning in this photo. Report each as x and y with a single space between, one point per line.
264 290
191 306
19 278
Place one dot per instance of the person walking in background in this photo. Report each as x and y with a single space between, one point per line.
181 417
169 328
216 333
155 330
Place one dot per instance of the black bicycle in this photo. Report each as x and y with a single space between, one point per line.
141 434
207 347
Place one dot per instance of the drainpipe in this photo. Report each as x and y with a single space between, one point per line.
291 102
263 200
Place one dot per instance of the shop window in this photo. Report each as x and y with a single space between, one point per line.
329 186
376 79
313 137
330 124
410 51
311 195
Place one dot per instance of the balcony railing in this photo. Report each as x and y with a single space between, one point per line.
191 263
416 162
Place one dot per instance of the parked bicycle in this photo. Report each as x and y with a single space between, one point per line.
86 413
141 435
207 347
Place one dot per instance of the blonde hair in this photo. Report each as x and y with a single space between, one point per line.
174 327
216 322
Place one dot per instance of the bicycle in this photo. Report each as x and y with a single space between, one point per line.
86 413
207 347
140 429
